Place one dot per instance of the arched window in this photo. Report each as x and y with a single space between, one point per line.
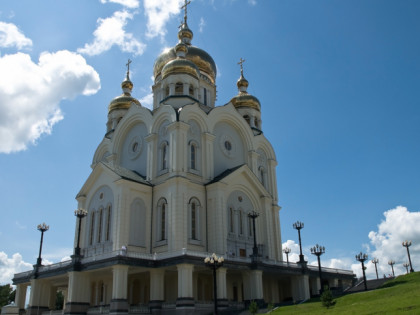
108 224
262 175
164 164
205 96
249 226
167 91
194 220
191 90
100 225
193 156
248 120
241 226
92 228
231 222
162 220
179 88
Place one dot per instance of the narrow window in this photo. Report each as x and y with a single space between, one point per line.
167 91
205 96
231 219
108 224
193 156
92 228
193 221
178 88
250 226
100 226
164 156
241 230
163 222
248 120
191 91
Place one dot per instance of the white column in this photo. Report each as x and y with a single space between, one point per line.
39 298
208 156
185 286
20 296
256 285
119 301
78 294
157 282
151 156
300 288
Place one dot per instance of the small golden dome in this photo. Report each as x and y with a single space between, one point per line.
125 100
243 99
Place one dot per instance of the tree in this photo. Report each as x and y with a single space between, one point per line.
253 307
6 293
59 300
327 297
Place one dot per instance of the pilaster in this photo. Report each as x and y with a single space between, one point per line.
151 156
208 155
185 298
119 302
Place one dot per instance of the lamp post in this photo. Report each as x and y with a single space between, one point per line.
376 261
362 258
80 214
318 251
392 263
407 244
253 215
42 228
298 226
287 251
406 266
214 262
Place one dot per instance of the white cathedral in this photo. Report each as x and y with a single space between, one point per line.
169 187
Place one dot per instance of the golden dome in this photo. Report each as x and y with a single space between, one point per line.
243 99
199 57
125 100
180 66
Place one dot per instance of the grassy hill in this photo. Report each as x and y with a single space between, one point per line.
401 295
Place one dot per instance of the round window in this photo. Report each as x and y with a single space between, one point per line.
228 145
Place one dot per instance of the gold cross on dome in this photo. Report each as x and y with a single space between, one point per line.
241 62
186 3
128 65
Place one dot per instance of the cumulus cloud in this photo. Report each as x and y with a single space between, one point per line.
10 266
11 36
294 253
30 94
399 225
132 4
147 101
111 31
158 13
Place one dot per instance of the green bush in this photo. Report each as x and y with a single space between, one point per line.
327 297
253 307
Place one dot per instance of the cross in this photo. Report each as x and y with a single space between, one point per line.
241 62
128 67
186 3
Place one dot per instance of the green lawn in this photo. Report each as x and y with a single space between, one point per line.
401 295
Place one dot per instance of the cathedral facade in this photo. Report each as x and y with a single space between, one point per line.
169 187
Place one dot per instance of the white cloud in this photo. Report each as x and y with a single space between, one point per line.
399 225
201 25
158 13
10 266
252 2
132 4
57 255
110 32
147 101
11 36
30 94
294 254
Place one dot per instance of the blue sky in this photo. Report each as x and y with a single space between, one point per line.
338 83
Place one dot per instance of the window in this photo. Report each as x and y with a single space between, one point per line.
179 88
191 90
167 91
231 219
92 228
100 225
248 120
249 226
193 156
262 175
193 221
164 156
241 228
162 221
108 224
205 96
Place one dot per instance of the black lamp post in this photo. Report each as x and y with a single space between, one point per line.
362 258
406 266
42 228
298 226
287 251
392 263
214 262
80 214
253 215
318 251
407 244
376 261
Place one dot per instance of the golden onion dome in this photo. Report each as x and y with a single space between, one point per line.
180 66
199 57
243 99
125 100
